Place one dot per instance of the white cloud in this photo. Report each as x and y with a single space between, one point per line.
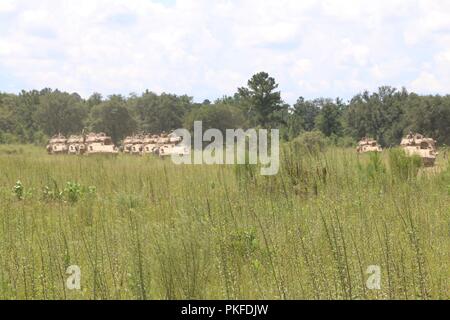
435 77
427 82
7 6
209 48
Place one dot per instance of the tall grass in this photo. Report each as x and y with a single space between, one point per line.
144 228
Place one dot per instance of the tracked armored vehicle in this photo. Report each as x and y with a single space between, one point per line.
150 144
100 144
162 145
133 145
425 148
172 149
367 145
171 145
57 145
137 145
163 139
127 145
76 145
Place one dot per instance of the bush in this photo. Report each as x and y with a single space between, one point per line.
311 142
345 142
244 242
8 138
72 192
51 194
10 150
375 167
18 190
403 166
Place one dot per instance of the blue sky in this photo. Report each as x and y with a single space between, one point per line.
205 49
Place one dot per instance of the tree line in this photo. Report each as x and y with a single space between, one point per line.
386 115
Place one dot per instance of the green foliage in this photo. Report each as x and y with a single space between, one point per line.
345 142
263 104
156 114
217 116
306 113
244 242
328 120
403 166
310 142
113 117
18 190
155 230
73 191
60 112
445 178
11 150
386 115
375 167
52 194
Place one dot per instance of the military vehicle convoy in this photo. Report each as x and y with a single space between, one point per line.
99 143
93 143
170 144
368 145
161 145
417 144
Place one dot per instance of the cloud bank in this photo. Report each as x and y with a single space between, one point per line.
207 48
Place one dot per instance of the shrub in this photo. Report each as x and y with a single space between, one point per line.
74 191
311 142
375 166
11 150
403 166
50 194
345 142
244 242
19 190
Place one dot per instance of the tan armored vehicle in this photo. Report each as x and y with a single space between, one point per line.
163 139
127 144
137 144
417 144
100 144
133 145
368 145
174 139
172 149
171 145
150 144
76 145
57 145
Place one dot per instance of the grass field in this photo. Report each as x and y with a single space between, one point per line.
144 228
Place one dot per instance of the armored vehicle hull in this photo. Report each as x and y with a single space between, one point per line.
99 148
169 150
57 145
367 145
76 145
418 145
